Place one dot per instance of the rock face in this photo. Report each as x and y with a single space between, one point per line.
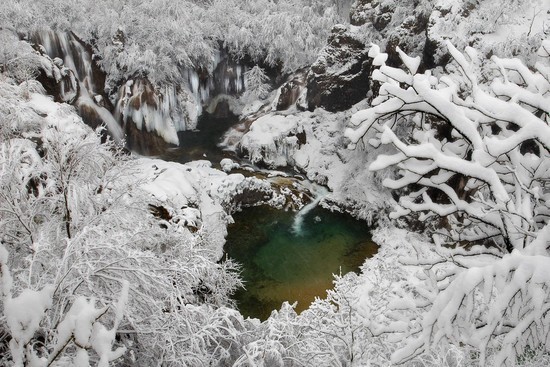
339 77
290 92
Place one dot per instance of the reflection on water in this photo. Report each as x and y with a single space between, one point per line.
279 265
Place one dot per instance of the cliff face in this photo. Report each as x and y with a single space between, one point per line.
340 76
393 23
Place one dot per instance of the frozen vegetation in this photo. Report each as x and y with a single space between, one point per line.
107 258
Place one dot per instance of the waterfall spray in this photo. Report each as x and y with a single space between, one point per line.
319 192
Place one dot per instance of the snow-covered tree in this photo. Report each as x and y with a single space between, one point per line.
159 38
256 84
472 146
96 273
474 153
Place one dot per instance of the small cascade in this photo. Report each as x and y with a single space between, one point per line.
320 193
226 79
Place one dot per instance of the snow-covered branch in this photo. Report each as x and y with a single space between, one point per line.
475 151
489 136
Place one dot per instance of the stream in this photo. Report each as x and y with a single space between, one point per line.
285 255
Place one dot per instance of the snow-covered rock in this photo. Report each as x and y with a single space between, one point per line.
273 139
228 165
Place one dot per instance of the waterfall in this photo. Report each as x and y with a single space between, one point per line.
227 78
164 110
320 193
104 114
78 59
74 54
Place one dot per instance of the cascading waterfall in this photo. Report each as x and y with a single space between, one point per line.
226 79
163 110
78 59
320 193
73 53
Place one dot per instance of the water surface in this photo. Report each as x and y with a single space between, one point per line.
282 265
202 143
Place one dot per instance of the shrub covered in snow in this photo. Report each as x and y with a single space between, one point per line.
88 271
158 38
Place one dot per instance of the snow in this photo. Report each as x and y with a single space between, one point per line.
412 63
102 339
324 157
81 322
195 195
25 312
272 139
57 115
78 322
414 292
6 280
228 165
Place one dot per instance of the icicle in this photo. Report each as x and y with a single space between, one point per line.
194 81
239 81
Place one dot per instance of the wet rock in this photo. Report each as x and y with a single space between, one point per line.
251 197
339 77
90 116
291 91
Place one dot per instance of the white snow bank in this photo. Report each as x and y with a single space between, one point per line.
195 195
272 139
24 313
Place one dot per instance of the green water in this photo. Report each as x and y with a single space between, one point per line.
280 265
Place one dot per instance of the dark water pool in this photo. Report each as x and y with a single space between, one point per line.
280 264
202 143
